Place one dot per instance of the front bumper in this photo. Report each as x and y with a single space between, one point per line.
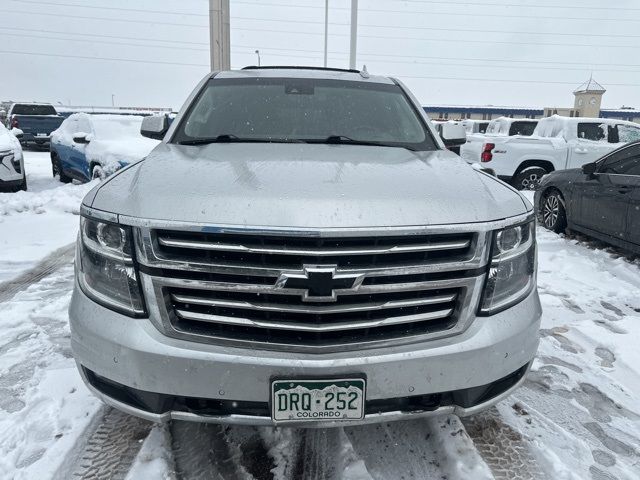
127 352
26 138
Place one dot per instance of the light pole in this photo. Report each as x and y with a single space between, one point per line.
113 100
326 30
354 34
258 53
219 35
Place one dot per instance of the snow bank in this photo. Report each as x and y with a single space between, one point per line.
64 199
39 221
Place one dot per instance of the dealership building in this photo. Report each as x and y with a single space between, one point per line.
587 103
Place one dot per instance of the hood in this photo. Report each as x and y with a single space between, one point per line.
305 186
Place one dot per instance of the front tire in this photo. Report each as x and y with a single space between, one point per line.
56 169
97 172
553 213
529 178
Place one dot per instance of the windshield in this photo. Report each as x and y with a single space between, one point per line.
308 110
25 109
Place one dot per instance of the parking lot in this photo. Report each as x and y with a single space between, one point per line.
577 415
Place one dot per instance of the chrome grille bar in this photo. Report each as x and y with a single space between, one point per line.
272 290
316 328
312 309
216 246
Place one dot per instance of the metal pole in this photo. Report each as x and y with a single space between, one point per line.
219 35
354 34
326 30
113 100
258 53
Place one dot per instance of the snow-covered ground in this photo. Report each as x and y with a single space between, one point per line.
36 222
577 417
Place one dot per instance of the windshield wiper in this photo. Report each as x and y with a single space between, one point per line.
344 140
225 138
230 138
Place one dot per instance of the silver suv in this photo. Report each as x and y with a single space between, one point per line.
301 249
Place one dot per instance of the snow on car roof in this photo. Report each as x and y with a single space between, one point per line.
113 126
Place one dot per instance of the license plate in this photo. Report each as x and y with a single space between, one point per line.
317 400
41 134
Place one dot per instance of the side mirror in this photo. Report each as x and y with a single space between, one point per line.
81 138
154 127
453 135
589 169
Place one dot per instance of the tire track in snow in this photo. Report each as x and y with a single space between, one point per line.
418 449
219 452
50 264
107 448
502 447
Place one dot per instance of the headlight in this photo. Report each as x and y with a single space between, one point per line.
512 271
105 268
13 158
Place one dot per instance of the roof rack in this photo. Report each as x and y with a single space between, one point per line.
293 67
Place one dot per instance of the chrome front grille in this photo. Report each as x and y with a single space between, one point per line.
232 287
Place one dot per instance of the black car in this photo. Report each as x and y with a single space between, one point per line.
602 199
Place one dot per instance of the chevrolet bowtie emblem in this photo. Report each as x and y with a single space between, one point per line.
320 283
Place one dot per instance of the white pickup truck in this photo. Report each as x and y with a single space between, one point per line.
502 128
557 143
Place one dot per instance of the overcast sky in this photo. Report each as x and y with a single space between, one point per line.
153 52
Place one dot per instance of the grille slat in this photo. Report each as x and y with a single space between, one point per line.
325 252
255 288
311 309
312 328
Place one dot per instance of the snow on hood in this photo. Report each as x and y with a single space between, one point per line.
8 141
116 141
306 186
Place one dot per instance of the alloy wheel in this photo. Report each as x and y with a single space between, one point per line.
530 182
550 211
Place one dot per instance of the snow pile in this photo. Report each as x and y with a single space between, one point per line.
63 199
39 221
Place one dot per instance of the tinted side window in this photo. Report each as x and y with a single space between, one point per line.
624 162
522 128
592 131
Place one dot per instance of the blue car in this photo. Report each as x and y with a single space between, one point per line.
87 147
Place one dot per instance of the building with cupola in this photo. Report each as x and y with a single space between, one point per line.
587 103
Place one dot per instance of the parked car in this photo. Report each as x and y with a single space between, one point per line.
601 199
454 129
495 132
475 126
302 249
558 143
94 146
33 123
12 173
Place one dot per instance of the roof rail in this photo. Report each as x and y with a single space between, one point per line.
294 67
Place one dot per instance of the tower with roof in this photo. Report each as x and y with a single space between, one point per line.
589 98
